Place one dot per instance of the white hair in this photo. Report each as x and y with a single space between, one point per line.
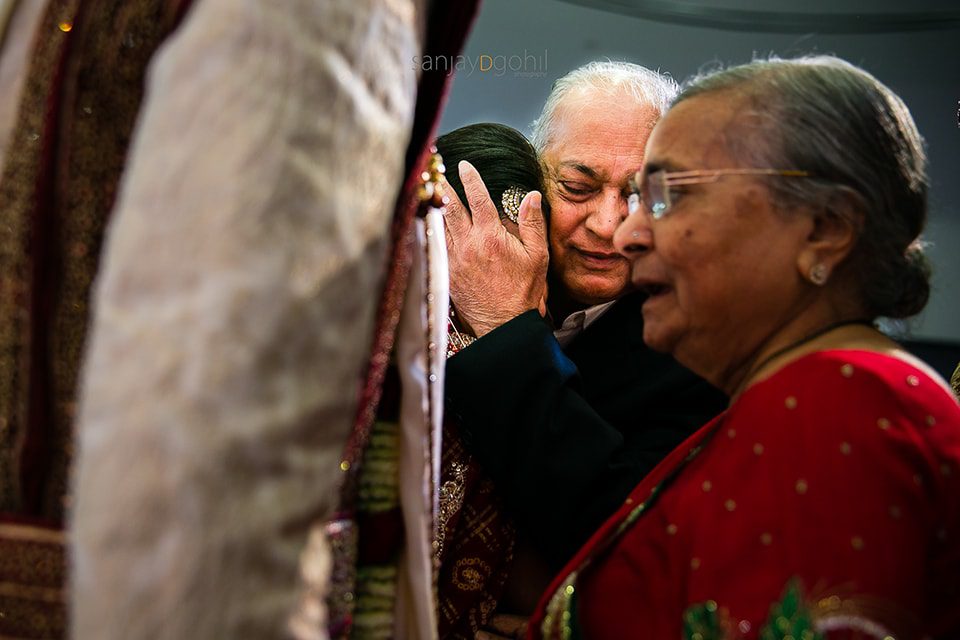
607 78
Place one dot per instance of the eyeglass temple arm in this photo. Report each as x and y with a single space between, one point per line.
701 176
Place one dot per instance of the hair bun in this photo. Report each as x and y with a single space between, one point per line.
912 288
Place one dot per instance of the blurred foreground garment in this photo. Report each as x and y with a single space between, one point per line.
71 78
236 304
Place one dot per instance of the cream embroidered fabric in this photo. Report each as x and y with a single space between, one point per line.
234 313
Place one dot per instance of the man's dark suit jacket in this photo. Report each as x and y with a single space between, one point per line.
567 435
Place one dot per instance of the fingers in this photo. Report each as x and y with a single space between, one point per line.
457 218
533 226
482 209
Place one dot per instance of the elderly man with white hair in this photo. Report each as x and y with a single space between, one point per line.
560 413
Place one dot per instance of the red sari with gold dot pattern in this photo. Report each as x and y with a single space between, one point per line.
840 474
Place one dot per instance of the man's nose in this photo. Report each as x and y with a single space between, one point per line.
610 212
633 237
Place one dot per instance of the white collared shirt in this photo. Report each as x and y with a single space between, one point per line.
578 321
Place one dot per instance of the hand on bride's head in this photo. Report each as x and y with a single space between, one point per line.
494 275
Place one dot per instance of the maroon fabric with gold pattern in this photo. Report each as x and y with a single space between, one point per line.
476 543
60 175
32 576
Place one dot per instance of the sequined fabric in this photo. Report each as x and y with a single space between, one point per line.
799 614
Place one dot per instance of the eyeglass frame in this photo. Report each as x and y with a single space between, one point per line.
695 176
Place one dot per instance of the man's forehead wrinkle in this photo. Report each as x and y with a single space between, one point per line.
571 114
600 158
579 100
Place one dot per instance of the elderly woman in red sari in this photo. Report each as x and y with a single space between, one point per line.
777 217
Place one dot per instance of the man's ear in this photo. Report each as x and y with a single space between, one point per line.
836 228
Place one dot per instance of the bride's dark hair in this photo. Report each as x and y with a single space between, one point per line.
502 155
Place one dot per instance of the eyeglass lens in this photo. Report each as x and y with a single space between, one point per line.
656 194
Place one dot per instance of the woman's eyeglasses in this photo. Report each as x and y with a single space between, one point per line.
653 192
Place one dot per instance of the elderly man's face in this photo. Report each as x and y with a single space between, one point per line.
596 147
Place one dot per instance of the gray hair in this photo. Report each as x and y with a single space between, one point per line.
826 116
607 78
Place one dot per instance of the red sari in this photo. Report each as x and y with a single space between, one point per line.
839 475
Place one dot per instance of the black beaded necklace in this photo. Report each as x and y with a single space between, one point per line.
799 343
